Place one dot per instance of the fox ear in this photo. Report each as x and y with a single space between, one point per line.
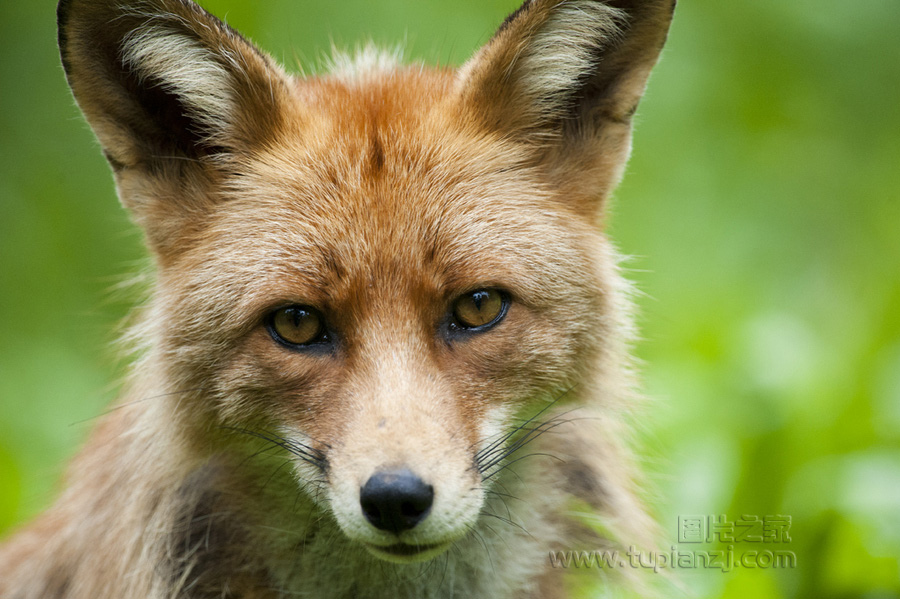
162 81
563 78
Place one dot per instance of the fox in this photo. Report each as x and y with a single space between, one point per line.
387 348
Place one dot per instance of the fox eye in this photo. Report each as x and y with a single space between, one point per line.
479 309
297 326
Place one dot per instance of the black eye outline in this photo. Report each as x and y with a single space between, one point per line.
456 326
322 338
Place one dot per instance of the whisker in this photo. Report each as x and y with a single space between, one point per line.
495 457
490 448
524 440
306 453
531 435
507 521
520 458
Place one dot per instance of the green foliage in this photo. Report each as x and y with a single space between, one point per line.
762 202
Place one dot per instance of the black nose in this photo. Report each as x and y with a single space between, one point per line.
395 500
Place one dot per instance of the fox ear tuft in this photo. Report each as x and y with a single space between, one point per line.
163 79
565 77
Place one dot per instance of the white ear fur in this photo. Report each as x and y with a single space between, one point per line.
164 79
563 53
186 69
572 60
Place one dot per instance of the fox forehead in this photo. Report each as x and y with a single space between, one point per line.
376 183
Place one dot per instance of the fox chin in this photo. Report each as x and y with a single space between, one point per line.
386 353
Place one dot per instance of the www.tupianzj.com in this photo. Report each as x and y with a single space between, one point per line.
721 559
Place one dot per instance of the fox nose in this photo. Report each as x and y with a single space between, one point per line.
395 500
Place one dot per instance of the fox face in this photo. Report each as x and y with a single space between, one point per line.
386 308
394 275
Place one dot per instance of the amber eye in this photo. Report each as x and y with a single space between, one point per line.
479 309
296 325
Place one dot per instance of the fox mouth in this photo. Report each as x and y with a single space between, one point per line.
405 553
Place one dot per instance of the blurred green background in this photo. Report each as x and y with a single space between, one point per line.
761 208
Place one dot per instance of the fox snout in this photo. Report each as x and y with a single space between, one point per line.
402 515
403 480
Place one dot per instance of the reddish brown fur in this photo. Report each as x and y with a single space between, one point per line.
376 198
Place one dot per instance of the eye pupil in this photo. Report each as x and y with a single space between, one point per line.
296 325
479 298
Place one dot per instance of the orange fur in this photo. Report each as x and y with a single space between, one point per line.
376 197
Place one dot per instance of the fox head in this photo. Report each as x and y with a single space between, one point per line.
381 269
